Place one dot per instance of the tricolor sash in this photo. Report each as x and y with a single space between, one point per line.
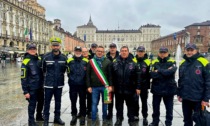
103 79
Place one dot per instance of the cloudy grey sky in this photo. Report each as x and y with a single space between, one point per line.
171 15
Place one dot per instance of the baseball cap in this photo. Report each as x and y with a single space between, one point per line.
30 46
94 45
141 49
163 49
112 45
77 48
190 46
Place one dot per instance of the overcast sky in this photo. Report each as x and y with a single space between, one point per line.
171 15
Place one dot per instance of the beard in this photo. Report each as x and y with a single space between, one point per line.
55 50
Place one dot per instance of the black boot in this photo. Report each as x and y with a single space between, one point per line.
82 120
145 122
132 123
59 121
39 117
45 123
153 124
118 122
32 123
73 120
78 115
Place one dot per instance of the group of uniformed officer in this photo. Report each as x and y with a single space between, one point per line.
42 78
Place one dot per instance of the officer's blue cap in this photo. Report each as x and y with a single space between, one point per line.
30 46
190 46
163 49
141 49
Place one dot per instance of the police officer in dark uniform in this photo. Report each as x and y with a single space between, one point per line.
163 86
125 85
54 67
144 65
111 55
194 83
31 80
77 73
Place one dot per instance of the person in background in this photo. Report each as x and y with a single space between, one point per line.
3 59
193 83
111 55
163 86
32 83
92 50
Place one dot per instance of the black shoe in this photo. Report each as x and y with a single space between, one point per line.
153 124
132 123
73 120
45 123
59 121
78 115
109 116
82 120
118 122
32 123
89 115
39 118
145 122
136 118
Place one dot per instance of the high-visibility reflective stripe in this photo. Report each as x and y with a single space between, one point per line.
134 60
23 72
147 61
25 61
182 62
48 87
49 61
69 60
155 61
85 59
203 61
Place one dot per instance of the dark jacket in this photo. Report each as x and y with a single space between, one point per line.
109 56
144 66
77 67
194 78
91 54
163 82
125 76
31 74
54 67
91 78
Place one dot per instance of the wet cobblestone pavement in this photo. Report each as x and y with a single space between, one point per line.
13 106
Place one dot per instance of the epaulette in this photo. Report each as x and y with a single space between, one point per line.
25 61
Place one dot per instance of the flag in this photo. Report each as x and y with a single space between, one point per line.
30 33
26 34
84 37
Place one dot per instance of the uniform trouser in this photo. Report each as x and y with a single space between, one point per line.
119 102
110 106
36 101
76 90
3 63
144 97
48 93
89 102
188 108
168 101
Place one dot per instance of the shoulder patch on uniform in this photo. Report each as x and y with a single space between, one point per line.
182 62
85 59
23 72
155 61
69 60
171 60
147 61
134 60
25 61
203 61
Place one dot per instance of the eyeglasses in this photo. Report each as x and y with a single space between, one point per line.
100 51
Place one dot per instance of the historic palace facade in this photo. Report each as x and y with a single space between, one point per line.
131 38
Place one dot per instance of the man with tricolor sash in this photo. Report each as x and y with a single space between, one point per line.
193 83
126 85
99 81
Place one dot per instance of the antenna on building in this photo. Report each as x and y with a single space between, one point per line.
118 25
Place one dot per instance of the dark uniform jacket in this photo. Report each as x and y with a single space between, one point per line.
163 82
54 67
31 74
144 65
125 76
77 67
109 56
194 78
91 78
91 54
